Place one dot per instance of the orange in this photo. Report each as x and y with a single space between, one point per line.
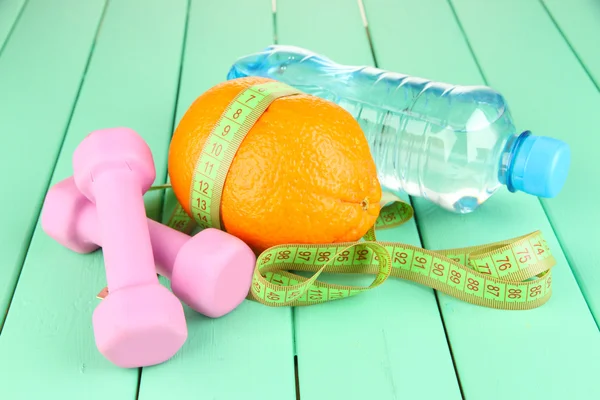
303 174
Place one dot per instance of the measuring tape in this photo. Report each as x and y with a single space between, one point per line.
512 274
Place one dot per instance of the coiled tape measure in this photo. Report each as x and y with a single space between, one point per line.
513 274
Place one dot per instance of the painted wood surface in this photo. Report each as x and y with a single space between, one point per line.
513 66
484 350
386 337
578 22
569 106
41 70
10 10
68 67
48 337
226 358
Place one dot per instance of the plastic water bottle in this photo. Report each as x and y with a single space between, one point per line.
453 145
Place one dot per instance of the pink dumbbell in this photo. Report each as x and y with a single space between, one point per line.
211 271
140 322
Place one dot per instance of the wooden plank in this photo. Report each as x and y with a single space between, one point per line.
561 108
41 70
9 15
361 347
331 28
224 358
131 81
438 52
578 22
499 354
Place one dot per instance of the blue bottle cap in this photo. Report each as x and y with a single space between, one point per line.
540 165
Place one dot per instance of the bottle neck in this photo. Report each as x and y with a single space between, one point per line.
508 160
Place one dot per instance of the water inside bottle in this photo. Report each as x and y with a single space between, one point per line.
458 169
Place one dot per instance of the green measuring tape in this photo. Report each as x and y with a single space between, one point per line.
512 274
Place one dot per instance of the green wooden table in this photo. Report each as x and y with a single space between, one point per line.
68 67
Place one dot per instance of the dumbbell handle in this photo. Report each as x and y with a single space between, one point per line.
122 225
166 242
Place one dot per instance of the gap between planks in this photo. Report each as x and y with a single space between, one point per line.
12 27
